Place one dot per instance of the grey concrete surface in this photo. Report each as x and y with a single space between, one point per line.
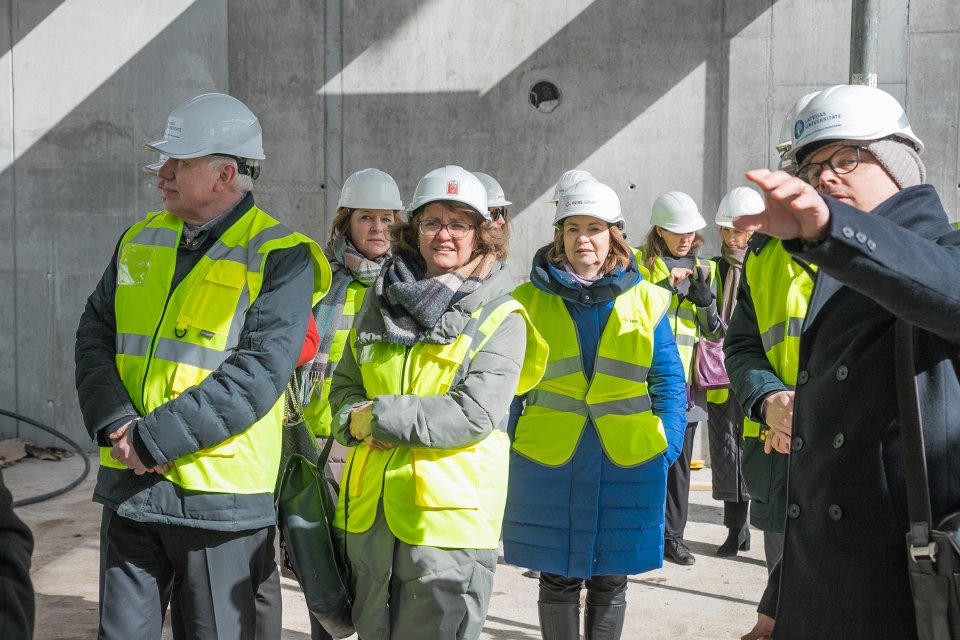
713 599
656 95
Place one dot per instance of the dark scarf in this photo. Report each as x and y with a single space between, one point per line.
412 304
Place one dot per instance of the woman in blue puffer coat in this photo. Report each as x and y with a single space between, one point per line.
591 450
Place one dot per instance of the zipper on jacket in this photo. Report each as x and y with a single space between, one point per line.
150 347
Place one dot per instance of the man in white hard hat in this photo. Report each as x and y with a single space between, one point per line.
183 352
884 252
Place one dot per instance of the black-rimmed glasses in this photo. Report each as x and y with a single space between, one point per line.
843 160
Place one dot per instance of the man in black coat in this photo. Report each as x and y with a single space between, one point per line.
884 250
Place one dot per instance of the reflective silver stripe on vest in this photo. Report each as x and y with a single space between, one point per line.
187 353
622 370
239 317
686 313
557 402
683 340
562 367
776 334
221 251
132 344
625 407
154 237
256 242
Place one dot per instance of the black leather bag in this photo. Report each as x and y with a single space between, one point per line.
305 501
933 554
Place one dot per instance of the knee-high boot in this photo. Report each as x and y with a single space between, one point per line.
559 621
603 622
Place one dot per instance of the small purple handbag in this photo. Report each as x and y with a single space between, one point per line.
708 368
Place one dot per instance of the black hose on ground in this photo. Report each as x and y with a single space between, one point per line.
73 445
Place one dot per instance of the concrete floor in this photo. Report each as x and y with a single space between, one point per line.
715 598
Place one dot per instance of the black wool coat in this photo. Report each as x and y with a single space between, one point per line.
844 568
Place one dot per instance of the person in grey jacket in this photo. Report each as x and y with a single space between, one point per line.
183 351
421 397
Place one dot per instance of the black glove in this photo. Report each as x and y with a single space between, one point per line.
699 293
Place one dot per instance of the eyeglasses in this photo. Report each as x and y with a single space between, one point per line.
843 160
496 214
457 230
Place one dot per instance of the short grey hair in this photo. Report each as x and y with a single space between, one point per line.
241 182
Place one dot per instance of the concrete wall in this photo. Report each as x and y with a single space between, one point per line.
656 95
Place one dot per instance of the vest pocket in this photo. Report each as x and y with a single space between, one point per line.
212 306
446 478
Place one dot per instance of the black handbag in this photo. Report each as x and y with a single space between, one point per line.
933 554
305 501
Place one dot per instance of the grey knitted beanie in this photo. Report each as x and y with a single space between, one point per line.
900 160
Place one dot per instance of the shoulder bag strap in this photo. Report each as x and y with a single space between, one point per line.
915 461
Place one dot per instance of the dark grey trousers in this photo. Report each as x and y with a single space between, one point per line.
404 591
210 579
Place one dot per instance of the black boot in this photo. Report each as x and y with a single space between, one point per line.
675 551
737 540
559 621
603 623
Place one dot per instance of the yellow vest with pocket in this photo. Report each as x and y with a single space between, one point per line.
168 341
451 498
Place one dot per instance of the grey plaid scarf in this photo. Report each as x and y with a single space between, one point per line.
412 304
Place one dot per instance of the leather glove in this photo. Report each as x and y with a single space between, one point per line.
699 293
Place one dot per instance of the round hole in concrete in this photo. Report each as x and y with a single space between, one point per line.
545 96
631 186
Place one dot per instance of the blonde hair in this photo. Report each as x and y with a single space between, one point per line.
619 253
341 222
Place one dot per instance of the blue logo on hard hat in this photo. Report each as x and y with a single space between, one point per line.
797 129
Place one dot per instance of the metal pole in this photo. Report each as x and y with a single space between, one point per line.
863 42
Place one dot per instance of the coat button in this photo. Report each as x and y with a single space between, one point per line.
842 373
871 245
793 510
838 441
796 443
861 237
802 377
847 232
835 512
586 296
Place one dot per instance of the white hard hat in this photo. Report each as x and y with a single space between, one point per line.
495 195
370 189
208 124
589 198
739 201
451 183
567 180
676 212
851 112
153 168
786 129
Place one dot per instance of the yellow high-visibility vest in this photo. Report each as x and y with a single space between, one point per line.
615 398
683 315
780 292
168 341
451 498
316 413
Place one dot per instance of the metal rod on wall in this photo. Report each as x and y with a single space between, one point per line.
863 42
